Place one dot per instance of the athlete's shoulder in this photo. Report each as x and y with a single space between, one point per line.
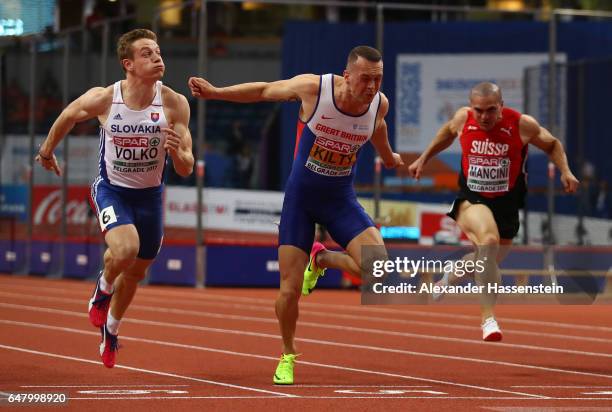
457 122
308 82
384 104
511 113
96 100
461 114
309 78
383 98
172 98
528 125
99 94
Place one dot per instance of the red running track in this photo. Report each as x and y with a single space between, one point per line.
189 349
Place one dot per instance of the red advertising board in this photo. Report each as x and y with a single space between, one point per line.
440 228
47 205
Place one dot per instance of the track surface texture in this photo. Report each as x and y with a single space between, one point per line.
216 349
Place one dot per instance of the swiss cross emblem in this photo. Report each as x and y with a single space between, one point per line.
155 116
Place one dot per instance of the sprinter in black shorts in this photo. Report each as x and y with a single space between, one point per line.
492 179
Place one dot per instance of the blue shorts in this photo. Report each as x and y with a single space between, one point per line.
340 213
115 206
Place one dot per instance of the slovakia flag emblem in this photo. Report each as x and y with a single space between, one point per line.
155 116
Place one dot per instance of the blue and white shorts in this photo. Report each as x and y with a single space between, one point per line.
143 208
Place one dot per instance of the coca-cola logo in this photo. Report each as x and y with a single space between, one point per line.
48 210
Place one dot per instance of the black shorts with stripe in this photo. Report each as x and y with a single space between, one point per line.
505 208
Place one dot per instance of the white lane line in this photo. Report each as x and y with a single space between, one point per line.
559 386
273 358
319 342
359 308
326 315
143 291
361 386
115 398
598 393
149 371
99 386
318 325
389 397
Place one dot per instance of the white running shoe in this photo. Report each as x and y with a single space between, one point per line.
491 331
437 296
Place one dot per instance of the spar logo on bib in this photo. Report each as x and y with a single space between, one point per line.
488 174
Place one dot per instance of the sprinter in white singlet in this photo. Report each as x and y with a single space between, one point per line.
338 115
142 124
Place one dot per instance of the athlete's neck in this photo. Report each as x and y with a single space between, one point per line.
137 93
347 102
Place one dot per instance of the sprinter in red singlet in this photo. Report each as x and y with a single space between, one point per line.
492 182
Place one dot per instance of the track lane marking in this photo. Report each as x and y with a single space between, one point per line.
327 315
319 325
351 308
273 358
149 371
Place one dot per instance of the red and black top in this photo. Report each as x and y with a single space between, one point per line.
493 163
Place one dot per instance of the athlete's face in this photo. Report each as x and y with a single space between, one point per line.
147 61
363 78
487 110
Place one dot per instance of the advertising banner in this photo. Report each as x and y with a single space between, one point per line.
14 201
224 209
430 89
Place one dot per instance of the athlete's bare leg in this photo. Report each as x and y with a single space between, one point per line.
504 249
351 260
123 244
126 285
292 261
122 268
337 260
478 224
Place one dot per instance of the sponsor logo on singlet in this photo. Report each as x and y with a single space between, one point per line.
334 151
488 167
136 154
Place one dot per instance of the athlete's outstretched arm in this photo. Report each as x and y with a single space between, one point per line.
533 133
178 137
380 138
294 89
444 138
91 104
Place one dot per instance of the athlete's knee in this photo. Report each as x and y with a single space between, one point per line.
373 258
108 257
490 239
290 294
486 238
291 282
133 276
124 254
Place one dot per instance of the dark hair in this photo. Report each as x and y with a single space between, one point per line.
124 44
367 52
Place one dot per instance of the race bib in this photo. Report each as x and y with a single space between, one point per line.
488 174
106 217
